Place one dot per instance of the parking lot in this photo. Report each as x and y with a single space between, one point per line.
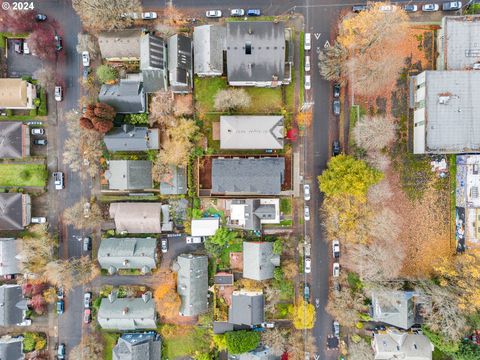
19 65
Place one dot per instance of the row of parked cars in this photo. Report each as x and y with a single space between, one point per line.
233 12
446 6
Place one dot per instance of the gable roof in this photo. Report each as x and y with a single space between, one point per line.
402 346
205 226
259 261
180 62
11 348
127 97
396 308
248 213
13 93
129 174
120 44
12 305
153 63
262 176
137 218
251 132
247 308
14 211
209 41
130 138
138 346
176 184
14 140
266 60
128 253
9 263
127 313
192 284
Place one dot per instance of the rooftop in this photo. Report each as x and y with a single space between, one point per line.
131 138
9 259
395 308
137 218
138 346
14 139
13 93
192 284
12 305
394 345
14 211
259 261
129 174
127 97
209 41
247 308
120 44
205 226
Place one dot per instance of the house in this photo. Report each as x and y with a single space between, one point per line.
15 211
247 308
14 140
120 45
259 261
153 63
260 353
250 214
446 109
127 313
138 346
11 348
256 54
223 279
205 226
129 174
13 306
17 94
406 346
396 308
126 97
9 256
180 63
175 183
132 138
137 218
248 176
209 42
244 132
458 47
192 283
128 253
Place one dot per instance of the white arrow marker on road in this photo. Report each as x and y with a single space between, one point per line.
316 357
327 44
317 35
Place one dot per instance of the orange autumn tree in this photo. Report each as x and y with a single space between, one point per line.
166 297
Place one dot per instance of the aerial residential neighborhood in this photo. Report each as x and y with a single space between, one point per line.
221 180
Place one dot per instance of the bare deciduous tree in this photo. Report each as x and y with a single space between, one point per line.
37 250
179 143
360 350
276 340
378 160
45 76
345 306
380 192
374 133
332 61
90 348
298 344
232 99
385 225
161 109
70 273
83 215
87 42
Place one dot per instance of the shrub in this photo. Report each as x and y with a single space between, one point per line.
37 102
42 109
137 119
239 342
107 74
9 112
33 112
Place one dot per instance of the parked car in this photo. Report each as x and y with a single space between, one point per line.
58 42
87 298
336 329
307 41
336 107
410 8
40 17
213 14
336 90
430 7
38 220
37 131
87 316
149 15
133 16
307 355
58 93
336 269
307 84
254 12
194 239
267 325
306 192
61 352
164 245
337 287
308 265
42 142
87 243
336 148
387 8
60 306
58 180
60 293
306 293
85 73
237 12
451 5
306 213
26 49
336 249
18 46
358 8
85 58
307 63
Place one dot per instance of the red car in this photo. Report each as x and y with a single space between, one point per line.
87 316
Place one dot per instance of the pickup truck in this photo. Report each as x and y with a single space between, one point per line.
58 180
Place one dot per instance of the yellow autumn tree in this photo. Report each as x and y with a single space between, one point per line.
166 298
303 314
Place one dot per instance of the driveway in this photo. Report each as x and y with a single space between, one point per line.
177 245
19 65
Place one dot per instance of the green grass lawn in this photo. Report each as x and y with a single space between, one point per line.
237 246
205 91
23 175
109 339
182 345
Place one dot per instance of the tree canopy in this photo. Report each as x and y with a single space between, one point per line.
106 74
219 241
242 341
303 314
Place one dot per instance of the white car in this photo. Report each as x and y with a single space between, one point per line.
194 239
307 63
26 49
87 298
39 220
430 7
308 265
38 131
387 8
133 16
58 180
308 83
213 14
336 249
85 58
149 15
306 192
306 213
58 93
308 41
237 12
336 269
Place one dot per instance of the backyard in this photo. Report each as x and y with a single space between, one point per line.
183 340
23 175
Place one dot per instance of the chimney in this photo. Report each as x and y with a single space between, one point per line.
125 310
147 296
112 296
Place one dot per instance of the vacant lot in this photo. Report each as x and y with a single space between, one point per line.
23 175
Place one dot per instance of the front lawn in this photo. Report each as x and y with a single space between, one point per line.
23 175
109 341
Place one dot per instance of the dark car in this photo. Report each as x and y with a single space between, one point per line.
60 307
358 8
58 43
451 5
336 148
85 73
40 142
254 12
306 293
87 243
336 90
336 107
18 46
40 17
410 8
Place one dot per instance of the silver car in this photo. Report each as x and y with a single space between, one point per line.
306 192
213 14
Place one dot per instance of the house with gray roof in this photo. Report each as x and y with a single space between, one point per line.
180 63
401 345
137 217
138 346
248 176
175 183
209 42
120 45
13 306
260 353
14 140
192 283
11 348
129 174
259 261
256 54
250 214
127 313
126 97
251 132
128 253
9 256
247 308
132 138
15 211
153 63
396 308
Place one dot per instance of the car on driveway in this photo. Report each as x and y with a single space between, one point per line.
87 243
336 329
60 306
430 7
336 269
26 49
410 8
87 316
85 58
149 15
308 265
164 245
308 83
254 12
18 46
40 17
87 298
58 93
194 239
39 220
306 192
336 90
38 131
451 5
213 14
336 249
237 12
336 107
336 148
306 213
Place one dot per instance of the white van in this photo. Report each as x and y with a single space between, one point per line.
307 63
308 41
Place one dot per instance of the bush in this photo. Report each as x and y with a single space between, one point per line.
137 119
33 341
33 112
37 102
107 74
9 112
239 342
42 109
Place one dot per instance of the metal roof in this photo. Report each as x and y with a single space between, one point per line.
180 61
129 174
